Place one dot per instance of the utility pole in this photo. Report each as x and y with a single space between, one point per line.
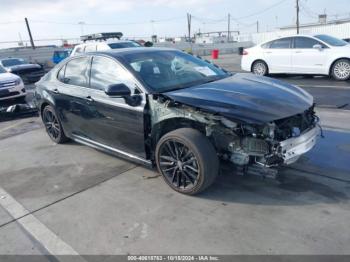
228 27
189 18
257 26
30 33
297 7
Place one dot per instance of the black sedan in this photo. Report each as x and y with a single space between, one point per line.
29 72
166 108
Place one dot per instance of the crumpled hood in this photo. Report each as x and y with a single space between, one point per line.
246 97
17 68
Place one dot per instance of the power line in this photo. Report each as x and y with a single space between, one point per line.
109 24
10 22
209 20
263 10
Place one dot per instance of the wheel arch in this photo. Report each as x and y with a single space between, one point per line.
167 125
259 60
334 61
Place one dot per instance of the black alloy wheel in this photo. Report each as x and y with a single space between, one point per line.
179 164
187 160
53 125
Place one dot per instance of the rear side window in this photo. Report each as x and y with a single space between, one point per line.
76 72
282 43
90 48
79 50
306 42
60 75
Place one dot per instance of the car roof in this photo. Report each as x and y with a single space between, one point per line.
10 58
132 50
289 36
105 42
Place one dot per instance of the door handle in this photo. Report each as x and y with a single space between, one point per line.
55 91
298 52
90 99
268 52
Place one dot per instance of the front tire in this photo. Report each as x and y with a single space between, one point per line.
53 125
341 70
260 68
187 160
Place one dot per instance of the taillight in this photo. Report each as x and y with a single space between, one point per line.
245 52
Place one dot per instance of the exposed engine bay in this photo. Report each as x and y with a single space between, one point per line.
249 147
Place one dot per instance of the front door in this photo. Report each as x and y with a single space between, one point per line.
117 123
306 59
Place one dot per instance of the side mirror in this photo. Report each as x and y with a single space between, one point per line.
318 47
118 90
148 44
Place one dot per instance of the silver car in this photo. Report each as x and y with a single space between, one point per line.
11 86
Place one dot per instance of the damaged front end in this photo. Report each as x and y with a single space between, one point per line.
252 148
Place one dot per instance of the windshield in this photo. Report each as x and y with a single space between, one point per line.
123 45
61 54
12 62
331 40
163 71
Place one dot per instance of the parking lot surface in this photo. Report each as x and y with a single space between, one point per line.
71 199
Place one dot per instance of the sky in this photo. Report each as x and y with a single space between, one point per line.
56 19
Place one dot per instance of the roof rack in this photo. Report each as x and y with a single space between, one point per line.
101 36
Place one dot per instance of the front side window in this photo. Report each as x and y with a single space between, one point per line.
282 43
105 72
76 72
169 70
331 40
305 42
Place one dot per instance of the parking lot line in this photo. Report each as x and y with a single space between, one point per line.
324 86
11 126
48 239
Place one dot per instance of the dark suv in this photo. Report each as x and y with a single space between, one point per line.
167 108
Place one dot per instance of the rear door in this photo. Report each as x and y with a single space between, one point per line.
306 59
72 97
278 55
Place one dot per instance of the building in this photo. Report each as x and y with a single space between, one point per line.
338 28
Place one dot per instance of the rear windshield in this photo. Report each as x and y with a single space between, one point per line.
123 45
331 40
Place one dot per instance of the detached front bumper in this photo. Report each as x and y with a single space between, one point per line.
292 148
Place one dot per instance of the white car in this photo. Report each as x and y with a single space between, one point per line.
300 54
11 86
102 46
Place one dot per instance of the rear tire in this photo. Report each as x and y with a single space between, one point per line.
260 68
53 125
187 160
341 70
